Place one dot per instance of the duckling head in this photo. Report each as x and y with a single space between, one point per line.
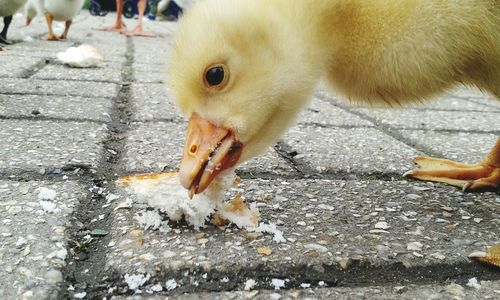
241 74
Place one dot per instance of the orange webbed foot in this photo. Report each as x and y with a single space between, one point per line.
52 37
469 177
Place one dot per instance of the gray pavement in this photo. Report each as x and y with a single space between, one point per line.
354 228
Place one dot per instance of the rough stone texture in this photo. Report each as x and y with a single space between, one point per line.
152 101
107 73
448 291
35 145
322 112
435 120
33 230
460 146
351 150
332 232
54 107
57 87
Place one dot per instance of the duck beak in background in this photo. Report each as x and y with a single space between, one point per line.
209 150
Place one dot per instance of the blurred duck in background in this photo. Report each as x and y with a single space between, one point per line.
7 9
54 10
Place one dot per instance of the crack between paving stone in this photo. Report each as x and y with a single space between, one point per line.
85 268
31 93
52 119
35 68
384 128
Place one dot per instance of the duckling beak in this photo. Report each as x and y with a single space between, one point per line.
209 150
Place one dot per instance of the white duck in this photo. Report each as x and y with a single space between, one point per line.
7 9
58 10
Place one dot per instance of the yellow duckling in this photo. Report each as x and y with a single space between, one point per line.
241 70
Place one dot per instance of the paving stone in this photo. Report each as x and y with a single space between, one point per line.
459 146
17 66
150 77
322 112
34 145
152 102
33 229
63 107
154 146
107 73
447 290
354 150
331 232
476 95
436 120
58 87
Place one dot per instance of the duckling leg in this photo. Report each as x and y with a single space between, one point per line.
66 29
3 34
50 19
474 177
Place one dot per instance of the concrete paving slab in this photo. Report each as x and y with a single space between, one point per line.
458 99
57 87
150 77
111 72
348 150
459 146
35 216
13 66
341 233
153 102
63 107
324 113
436 120
447 290
37 145
154 146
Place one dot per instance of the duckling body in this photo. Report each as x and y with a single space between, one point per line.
7 9
273 53
60 10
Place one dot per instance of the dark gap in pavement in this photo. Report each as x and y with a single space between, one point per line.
87 257
384 128
358 274
51 119
54 174
49 95
286 152
495 108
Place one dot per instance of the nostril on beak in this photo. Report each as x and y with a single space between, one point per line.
193 149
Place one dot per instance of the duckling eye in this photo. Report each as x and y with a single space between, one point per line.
214 76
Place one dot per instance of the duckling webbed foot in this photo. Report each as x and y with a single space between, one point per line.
469 177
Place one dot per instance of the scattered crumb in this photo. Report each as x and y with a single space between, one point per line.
46 194
278 283
271 228
171 284
148 219
305 285
264 251
473 283
157 287
80 295
249 284
136 281
49 206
